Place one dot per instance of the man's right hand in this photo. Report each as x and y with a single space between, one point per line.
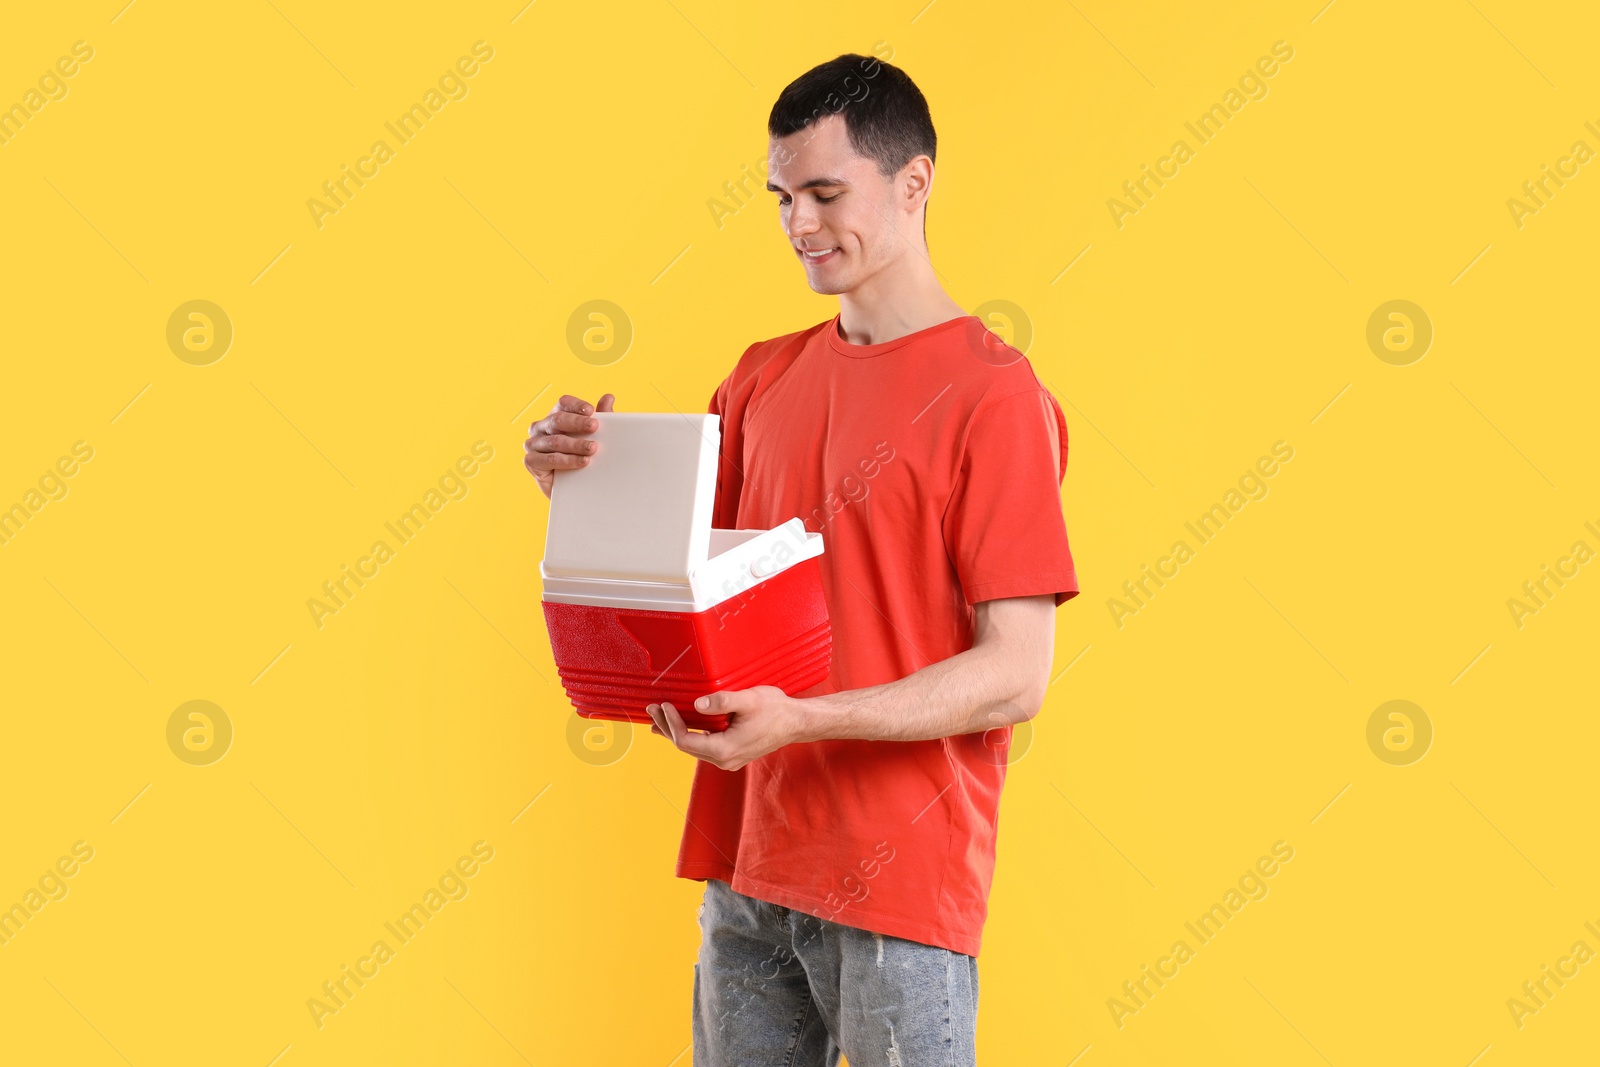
560 440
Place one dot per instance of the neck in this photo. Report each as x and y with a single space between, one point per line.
901 299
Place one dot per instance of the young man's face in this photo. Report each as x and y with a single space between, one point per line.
833 201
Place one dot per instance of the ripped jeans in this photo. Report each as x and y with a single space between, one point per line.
775 987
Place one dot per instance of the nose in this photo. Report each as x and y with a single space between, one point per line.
801 221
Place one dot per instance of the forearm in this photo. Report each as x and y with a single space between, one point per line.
972 691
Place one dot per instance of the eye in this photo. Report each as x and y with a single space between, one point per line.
829 199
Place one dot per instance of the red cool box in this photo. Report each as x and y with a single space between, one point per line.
646 603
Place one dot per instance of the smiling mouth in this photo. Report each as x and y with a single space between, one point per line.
818 256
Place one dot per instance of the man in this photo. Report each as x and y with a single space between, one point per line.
847 834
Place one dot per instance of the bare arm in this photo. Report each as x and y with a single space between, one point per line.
999 681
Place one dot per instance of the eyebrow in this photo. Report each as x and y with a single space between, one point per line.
814 183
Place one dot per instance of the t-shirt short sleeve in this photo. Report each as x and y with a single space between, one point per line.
1003 526
730 478
724 499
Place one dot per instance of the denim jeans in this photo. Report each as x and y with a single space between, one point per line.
774 987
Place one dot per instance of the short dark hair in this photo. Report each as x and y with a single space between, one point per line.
885 113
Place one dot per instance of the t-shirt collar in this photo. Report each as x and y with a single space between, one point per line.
843 347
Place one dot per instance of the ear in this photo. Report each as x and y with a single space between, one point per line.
915 183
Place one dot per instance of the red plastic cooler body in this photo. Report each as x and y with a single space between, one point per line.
614 661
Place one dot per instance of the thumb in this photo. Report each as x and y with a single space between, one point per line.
718 703
607 403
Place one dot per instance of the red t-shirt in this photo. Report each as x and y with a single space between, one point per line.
932 466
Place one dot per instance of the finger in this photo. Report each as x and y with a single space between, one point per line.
569 413
722 702
607 403
672 722
571 422
543 462
567 422
659 714
555 442
653 710
705 746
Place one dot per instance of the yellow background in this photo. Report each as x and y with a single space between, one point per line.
431 312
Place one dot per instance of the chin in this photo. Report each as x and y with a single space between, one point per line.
830 287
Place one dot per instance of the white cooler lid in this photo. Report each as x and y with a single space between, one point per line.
642 510
633 529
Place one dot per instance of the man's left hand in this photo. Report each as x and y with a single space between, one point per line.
761 719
